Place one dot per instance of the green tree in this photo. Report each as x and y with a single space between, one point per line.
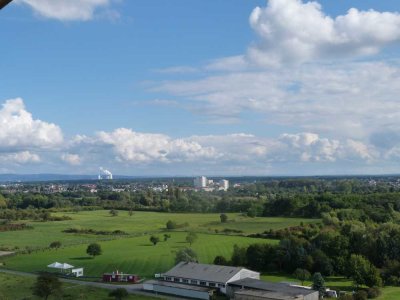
94 249
223 218
191 238
113 212
319 284
239 256
186 255
220 260
363 272
171 225
3 201
154 239
119 293
302 275
46 285
166 237
55 245
360 295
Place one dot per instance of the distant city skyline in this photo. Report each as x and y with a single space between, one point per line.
178 88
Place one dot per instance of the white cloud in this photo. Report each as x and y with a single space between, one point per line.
351 100
18 130
68 10
310 147
22 157
131 146
294 31
72 159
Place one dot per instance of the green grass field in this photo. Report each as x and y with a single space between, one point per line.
134 255
141 222
14 287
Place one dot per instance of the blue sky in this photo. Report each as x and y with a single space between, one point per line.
183 87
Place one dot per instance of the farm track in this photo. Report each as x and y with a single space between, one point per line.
135 289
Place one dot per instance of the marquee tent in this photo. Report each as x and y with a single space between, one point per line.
61 266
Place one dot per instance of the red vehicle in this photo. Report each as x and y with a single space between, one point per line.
120 277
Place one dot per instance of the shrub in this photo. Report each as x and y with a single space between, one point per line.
360 295
373 292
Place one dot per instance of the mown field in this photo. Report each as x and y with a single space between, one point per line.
135 254
140 223
132 255
13 287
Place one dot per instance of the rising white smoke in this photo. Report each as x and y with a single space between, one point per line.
105 174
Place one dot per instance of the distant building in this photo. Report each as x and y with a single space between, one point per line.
200 182
210 185
200 281
211 276
224 184
248 288
120 277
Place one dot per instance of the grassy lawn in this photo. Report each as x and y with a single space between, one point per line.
14 287
134 255
141 222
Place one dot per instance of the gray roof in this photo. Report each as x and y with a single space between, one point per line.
179 286
268 295
286 289
210 273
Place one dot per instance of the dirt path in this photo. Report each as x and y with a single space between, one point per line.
6 253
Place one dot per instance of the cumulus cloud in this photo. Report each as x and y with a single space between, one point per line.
295 31
18 129
72 159
131 146
22 157
310 147
67 10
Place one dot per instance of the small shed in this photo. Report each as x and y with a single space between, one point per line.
78 272
120 277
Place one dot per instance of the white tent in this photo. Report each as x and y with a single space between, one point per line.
61 266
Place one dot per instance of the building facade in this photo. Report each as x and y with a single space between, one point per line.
203 275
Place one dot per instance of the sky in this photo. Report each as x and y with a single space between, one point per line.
210 87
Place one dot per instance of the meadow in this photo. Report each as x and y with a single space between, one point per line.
132 255
135 253
43 233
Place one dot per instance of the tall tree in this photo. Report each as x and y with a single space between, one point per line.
186 255
191 238
319 284
302 275
223 218
154 239
46 285
94 249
